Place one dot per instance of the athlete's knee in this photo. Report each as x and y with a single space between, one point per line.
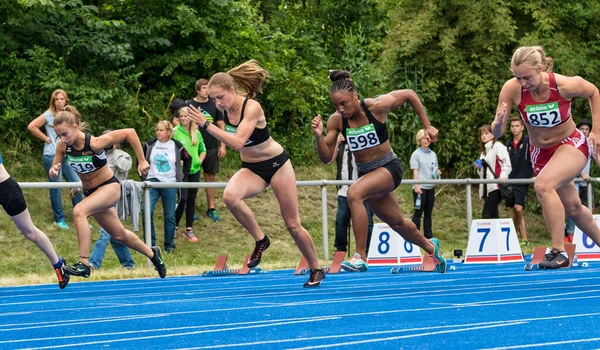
354 196
79 213
518 209
403 225
230 199
294 227
31 233
573 209
544 188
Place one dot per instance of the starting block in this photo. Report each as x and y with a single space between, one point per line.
335 267
428 265
221 268
538 256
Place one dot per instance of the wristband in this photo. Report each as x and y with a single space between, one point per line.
206 125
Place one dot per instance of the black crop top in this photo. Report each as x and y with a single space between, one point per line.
366 136
258 135
85 161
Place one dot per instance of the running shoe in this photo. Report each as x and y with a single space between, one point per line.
63 278
159 265
212 213
62 224
316 276
440 262
80 269
524 243
259 249
190 235
555 259
355 264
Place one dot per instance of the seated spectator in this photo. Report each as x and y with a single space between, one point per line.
165 156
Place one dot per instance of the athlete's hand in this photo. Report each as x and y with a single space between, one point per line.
195 115
54 171
143 167
222 151
431 133
501 114
317 126
595 142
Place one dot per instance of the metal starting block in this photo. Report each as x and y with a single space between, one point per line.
428 265
538 256
335 267
221 268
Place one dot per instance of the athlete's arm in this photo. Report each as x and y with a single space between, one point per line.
326 146
35 127
505 103
252 114
578 87
109 139
385 103
59 156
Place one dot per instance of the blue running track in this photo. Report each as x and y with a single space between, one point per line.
471 307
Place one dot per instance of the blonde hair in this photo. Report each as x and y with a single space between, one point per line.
165 124
71 116
192 128
420 136
533 56
52 107
248 76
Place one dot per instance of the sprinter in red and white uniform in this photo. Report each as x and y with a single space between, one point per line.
558 149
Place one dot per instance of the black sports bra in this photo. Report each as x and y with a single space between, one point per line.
258 135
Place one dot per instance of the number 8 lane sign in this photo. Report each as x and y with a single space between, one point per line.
387 247
493 241
585 248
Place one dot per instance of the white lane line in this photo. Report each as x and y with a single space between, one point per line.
575 341
171 329
181 334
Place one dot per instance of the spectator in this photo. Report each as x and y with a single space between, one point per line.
187 133
424 164
346 170
494 158
214 151
520 161
165 156
120 163
58 100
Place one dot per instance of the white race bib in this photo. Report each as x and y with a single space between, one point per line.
544 115
362 138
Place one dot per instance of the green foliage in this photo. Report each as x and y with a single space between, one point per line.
122 62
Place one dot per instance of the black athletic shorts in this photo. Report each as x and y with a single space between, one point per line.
210 165
519 198
267 168
88 192
394 167
11 197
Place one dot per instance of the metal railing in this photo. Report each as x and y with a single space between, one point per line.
147 185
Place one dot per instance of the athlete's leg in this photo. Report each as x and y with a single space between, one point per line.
283 184
555 189
32 233
244 184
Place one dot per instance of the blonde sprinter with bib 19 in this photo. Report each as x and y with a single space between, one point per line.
362 122
101 189
264 161
559 150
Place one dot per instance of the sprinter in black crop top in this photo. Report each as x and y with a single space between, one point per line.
362 123
102 190
264 161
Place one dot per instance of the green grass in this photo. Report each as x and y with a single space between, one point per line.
23 263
